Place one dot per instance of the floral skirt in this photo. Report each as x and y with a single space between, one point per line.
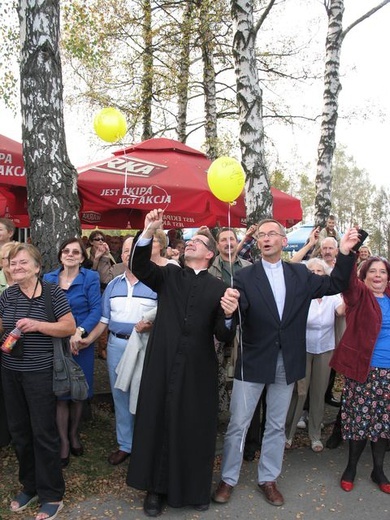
365 407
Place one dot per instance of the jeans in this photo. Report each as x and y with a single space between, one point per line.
31 410
245 397
124 420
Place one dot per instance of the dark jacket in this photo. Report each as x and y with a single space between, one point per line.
352 357
264 334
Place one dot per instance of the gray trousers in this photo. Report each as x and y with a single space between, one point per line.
243 403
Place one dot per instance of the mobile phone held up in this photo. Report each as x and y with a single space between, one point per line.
362 237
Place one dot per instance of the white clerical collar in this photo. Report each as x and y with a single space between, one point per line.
268 265
197 271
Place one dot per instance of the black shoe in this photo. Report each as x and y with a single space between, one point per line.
334 440
77 452
331 401
202 507
249 455
153 504
65 462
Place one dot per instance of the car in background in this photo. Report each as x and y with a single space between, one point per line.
297 238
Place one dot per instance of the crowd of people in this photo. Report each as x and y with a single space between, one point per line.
175 321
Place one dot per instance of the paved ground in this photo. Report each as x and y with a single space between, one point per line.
309 483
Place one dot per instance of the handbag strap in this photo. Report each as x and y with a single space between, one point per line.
46 287
58 351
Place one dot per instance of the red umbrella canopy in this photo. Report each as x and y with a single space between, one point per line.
13 195
12 170
158 173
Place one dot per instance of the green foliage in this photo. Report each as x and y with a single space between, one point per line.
351 191
354 200
9 54
279 181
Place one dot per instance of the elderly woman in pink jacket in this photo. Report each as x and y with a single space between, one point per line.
363 356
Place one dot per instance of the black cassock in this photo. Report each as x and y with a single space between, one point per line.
176 421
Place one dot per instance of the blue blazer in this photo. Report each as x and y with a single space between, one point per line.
264 334
83 295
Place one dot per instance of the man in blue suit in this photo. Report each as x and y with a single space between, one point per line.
274 300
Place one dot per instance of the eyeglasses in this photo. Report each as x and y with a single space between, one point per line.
198 241
74 252
100 239
271 234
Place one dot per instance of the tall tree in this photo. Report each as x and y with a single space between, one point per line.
250 106
148 72
207 39
380 236
184 70
351 193
332 87
53 202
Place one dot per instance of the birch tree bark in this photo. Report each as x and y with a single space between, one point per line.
184 71
53 202
148 72
250 105
332 87
210 96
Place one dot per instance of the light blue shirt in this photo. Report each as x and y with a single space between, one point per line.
275 277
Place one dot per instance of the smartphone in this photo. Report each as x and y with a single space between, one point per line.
362 237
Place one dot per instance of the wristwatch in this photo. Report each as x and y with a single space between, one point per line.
83 332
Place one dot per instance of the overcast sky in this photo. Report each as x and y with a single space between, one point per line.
364 122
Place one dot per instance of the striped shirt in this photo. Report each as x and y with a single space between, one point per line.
123 304
37 347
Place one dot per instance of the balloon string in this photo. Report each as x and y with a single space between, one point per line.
230 251
135 245
241 347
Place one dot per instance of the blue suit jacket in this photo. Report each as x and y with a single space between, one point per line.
264 334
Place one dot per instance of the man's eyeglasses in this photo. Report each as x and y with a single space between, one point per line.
271 234
99 239
198 241
74 252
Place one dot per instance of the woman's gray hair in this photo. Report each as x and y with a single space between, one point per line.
318 261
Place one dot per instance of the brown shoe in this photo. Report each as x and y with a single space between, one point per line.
272 495
223 493
117 457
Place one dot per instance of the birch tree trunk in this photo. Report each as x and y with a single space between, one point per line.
147 73
53 202
250 105
210 100
184 72
332 87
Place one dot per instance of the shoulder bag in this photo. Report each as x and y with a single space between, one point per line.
68 377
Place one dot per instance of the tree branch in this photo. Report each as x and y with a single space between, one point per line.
363 17
263 16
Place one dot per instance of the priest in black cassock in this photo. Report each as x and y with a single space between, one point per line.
176 421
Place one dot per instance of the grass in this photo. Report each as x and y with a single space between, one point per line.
91 475
85 476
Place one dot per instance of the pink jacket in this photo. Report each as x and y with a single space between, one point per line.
353 354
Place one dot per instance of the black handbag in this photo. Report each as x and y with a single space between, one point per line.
68 377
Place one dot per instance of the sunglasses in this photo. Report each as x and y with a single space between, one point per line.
100 239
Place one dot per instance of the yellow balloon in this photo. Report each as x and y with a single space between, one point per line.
226 178
110 125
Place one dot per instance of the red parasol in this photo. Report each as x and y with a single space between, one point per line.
119 191
13 195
